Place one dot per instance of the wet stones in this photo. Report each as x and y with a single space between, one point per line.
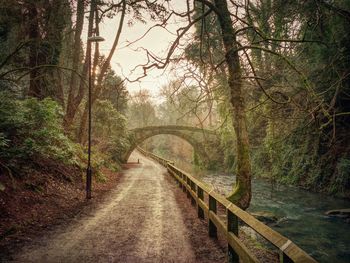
266 217
341 213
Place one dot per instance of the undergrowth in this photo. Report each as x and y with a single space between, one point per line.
32 138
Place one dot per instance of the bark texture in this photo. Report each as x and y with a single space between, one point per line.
77 88
33 28
97 89
242 191
71 100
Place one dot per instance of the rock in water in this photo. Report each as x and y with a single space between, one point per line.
339 212
265 217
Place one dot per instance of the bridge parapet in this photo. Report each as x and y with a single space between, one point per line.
206 143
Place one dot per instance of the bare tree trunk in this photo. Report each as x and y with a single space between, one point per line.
242 191
98 87
60 90
71 106
55 24
84 118
33 33
76 93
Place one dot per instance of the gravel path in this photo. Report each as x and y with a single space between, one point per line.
143 220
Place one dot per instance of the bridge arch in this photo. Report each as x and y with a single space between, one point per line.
196 137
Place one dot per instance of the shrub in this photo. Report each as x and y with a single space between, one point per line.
31 128
110 127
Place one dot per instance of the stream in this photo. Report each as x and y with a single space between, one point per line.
300 212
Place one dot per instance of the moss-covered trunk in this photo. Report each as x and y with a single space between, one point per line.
242 191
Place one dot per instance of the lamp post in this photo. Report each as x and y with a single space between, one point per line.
89 170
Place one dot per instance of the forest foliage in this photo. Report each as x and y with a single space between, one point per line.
296 88
41 113
282 80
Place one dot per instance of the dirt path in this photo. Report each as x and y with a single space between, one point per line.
140 221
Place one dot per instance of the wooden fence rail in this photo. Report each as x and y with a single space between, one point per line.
237 251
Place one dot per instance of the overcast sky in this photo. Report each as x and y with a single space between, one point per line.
126 58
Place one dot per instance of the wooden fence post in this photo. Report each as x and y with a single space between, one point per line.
232 226
188 191
284 258
196 191
213 232
193 188
184 184
200 195
180 177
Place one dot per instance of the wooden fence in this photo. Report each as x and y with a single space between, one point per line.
207 200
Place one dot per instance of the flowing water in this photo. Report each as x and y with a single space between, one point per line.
301 215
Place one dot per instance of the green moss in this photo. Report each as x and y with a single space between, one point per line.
236 194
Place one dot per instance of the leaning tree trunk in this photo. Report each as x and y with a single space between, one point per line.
242 191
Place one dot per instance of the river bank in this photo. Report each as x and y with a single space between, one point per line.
299 214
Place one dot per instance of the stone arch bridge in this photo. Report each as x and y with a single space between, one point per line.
205 143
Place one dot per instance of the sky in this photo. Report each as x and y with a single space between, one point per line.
126 58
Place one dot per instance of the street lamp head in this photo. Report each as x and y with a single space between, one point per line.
96 39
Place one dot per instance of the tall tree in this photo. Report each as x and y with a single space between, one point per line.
46 22
242 192
101 76
75 95
135 9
